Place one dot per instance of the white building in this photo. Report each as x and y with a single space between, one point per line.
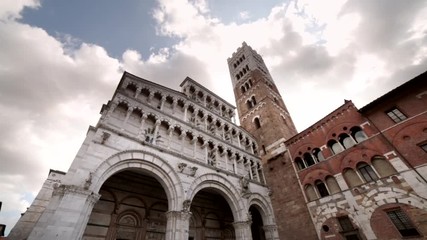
160 164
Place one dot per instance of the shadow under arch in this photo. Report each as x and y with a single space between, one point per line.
144 162
223 187
261 204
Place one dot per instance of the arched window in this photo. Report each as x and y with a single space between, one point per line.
351 177
332 184
358 134
383 167
253 100
300 164
249 104
131 89
335 146
121 110
367 172
257 123
310 193
318 154
321 188
242 89
308 159
346 141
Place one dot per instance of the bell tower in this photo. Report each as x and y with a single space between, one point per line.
263 114
260 106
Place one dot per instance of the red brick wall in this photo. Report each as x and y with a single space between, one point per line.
291 213
384 228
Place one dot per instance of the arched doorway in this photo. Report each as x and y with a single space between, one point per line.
132 206
212 217
257 224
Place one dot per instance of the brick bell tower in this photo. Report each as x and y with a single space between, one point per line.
261 109
263 113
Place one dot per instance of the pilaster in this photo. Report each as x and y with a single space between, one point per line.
243 230
178 225
271 232
66 215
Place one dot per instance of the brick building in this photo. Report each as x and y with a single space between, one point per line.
363 171
163 164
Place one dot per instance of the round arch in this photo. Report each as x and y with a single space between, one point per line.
261 204
400 195
356 155
149 163
225 188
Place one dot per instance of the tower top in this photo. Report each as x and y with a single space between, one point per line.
244 60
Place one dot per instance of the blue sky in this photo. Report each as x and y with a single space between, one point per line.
61 60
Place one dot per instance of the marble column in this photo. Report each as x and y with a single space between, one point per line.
178 225
270 232
243 230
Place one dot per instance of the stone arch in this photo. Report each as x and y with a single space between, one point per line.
225 188
262 205
355 156
338 129
317 174
158 168
399 195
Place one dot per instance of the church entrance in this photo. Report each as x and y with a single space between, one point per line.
211 217
132 206
257 224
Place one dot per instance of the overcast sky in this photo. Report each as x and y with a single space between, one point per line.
61 60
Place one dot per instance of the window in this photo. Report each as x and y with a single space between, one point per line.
257 123
318 154
382 166
396 115
299 163
346 141
351 177
308 159
345 224
310 193
423 146
367 172
321 187
348 231
402 223
335 146
358 134
253 100
332 185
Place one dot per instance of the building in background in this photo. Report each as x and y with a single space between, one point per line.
263 113
363 171
162 164
355 174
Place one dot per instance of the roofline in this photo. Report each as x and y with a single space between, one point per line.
207 90
346 103
400 88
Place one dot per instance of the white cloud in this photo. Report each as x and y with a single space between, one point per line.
51 89
244 15
11 9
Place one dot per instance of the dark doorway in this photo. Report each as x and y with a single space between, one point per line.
257 224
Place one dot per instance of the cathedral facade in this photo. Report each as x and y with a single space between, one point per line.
166 164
